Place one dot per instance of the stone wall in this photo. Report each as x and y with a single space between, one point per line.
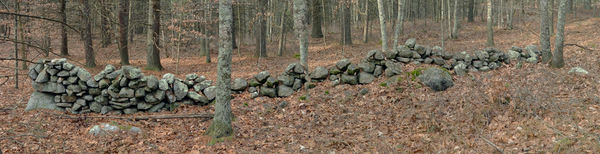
127 90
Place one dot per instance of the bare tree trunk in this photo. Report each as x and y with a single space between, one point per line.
300 20
64 49
282 30
86 35
471 10
382 24
17 46
261 31
366 22
399 24
123 31
490 28
346 24
557 57
221 124
454 33
233 31
511 14
587 4
443 35
105 35
545 32
317 17
551 12
153 42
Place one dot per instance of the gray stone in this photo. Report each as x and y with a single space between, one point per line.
130 110
198 97
252 89
126 93
283 104
367 67
170 97
513 55
532 60
151 99
254 95
105 109
170 78
447 55
404 60
143 106
131 72
460 69
378 70
270 92
484 69
71 80
578 70
439 61
49 87
74 88
334 70
51 71
299 69
140 92
365 78
109 68
262 76
415 55
391 54
404 52
392 68
68 99
99 76
297 84
210 92
342 64
284 91
428 60
420 49
101 99
88 98
39 100
352 69
151 82
319 73
363 91
156 107
477 64
107 129
200 79
271 82
252 82
532 50
68 66
33 74
191 77
42 77
63 74
349 79
83 74
285 80
437 79
410 43
482 55
163 84
239 84
159 95
96 107
180 89
114 74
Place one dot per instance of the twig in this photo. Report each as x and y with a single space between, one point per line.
492 144
42 18
580 46
23 60
136 118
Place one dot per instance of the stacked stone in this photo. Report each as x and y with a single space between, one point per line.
264 84
530 54
65 81
114 91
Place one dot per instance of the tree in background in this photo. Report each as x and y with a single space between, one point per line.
346 23
86 34
300 25
221 124
153 32
382 23
490 23
123 31
261 30
557 57
64 39
317 18
545 32
399 23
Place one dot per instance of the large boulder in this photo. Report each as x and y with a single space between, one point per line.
39 100
342 64
270 92
180 89
436 78
262 76
410 43
349 79
365 78
50 87
284 91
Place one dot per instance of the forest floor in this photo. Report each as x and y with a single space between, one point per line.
517 110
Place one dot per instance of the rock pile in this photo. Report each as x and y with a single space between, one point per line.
125 90
265 84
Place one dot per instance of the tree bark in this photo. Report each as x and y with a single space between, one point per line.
317 18
366 22
471 10
261 30
105 35
221 124
587 4
490 28
152 40
545 32
399 24
557 57
282 29
346 24
123 31
454 33
382 24
64 43
86 35
300 21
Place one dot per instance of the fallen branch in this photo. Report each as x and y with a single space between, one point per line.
492 144
136 118
580 46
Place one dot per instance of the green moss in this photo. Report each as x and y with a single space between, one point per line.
122 127
326 92
383 84
246 104
219 131
302 98
415 73
562 144
297 56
